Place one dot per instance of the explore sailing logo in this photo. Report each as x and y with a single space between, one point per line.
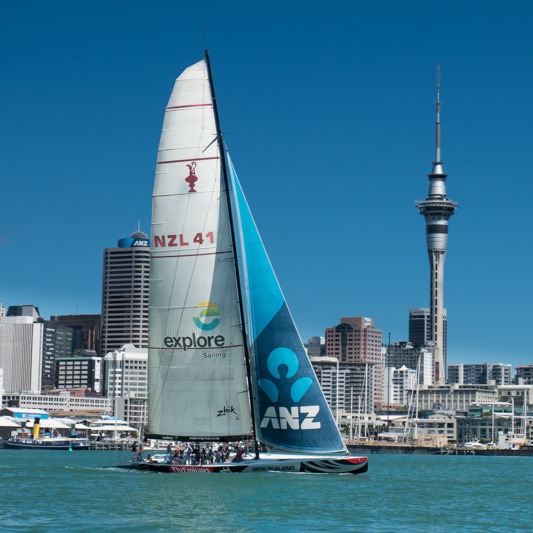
287 417
206 316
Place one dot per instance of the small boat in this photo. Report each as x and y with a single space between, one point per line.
225 360
47 443
34 441
110 429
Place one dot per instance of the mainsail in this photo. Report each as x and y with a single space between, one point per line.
197 370
219 323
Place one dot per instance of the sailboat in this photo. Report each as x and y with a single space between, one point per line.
226 362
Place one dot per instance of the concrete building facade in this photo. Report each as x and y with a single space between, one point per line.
126 372
347 387
399 383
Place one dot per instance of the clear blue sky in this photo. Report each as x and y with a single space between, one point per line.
329 117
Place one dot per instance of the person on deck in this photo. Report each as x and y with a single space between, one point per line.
140 453
168 456
134 451
239 456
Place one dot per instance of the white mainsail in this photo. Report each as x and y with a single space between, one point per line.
197 367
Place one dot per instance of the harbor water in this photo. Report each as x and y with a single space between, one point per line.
44 490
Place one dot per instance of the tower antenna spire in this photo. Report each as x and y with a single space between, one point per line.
437 122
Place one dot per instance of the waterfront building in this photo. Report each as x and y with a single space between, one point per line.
433 430
482 429
419 358
82 370
480 374
357 340
86 330
125 293
21 349
454 397
437 209
524 375
71 403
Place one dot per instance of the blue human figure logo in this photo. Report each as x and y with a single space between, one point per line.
278 358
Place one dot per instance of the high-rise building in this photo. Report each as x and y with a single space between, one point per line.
437 209
86 330
357 340
21 349
125 292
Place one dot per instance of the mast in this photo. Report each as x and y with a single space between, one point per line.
234 243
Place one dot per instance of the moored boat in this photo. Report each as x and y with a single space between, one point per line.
47 443
36 441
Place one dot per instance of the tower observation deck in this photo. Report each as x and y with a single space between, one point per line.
437 209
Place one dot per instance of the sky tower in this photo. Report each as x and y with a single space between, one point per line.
437 209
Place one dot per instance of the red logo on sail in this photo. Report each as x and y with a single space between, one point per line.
191 179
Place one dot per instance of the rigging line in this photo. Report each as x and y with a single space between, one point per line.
213 141
224 167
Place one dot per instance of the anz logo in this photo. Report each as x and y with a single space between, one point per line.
296 417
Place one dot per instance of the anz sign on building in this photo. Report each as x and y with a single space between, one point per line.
135 240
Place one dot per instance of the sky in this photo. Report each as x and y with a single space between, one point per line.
328 112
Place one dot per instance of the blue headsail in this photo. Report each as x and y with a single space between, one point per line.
290 410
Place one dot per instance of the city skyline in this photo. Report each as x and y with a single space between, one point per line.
331 128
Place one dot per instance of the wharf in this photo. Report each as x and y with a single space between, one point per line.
395 448
410 449
110 445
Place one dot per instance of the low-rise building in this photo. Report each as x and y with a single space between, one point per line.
454 397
